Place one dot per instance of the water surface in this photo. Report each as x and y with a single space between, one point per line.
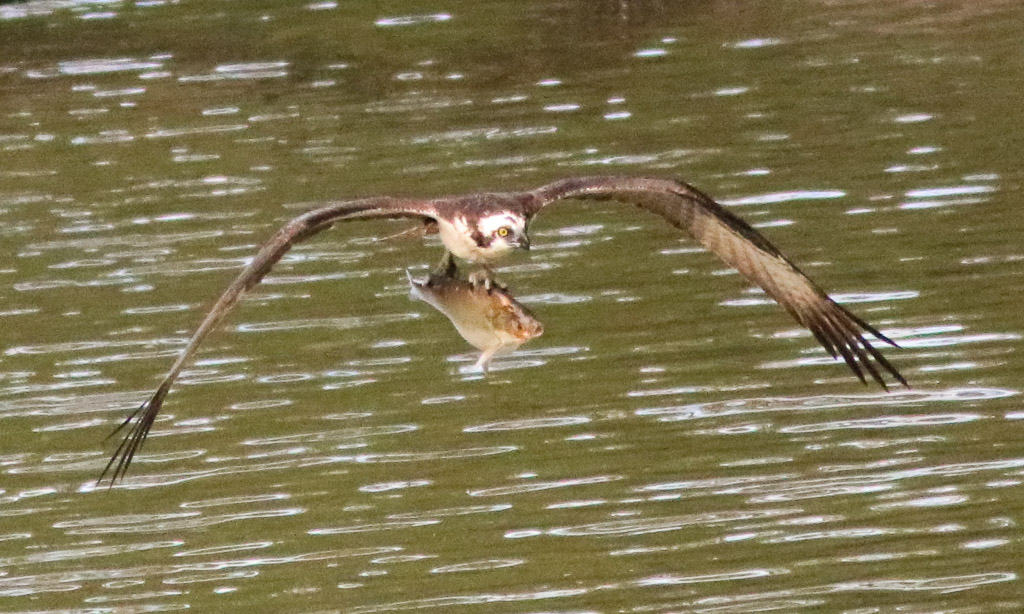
672 443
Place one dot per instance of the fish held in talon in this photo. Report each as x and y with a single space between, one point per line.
485 227
490 319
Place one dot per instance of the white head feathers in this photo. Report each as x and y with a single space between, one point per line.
490 224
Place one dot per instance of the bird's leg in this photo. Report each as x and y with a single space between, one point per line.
481 278
485 277
446 267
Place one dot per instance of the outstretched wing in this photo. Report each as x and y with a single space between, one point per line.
745 249
299 229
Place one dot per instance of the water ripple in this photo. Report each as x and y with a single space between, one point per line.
328 323
781 197
447 602
37 388
412 20
491 133
416 102
167 133
663 159
555 298
756 43
211 577
106 65
659 524
71 579
947 583
150 309
525 487
204 265
797 599
237 500
729 576
141 481
451 512
63 406
138 241
373 527
697 411
214 550
950 191
394 485
336 435
61 284
840 297
788 487
482 565
162 523
527 423
883 422
246 71
75 554
418 457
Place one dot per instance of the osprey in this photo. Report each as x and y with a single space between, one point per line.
482 228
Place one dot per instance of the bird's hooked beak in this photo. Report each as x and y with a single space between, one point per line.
523 242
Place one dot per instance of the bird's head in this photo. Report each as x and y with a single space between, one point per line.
502 232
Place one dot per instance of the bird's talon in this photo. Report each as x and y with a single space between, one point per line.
480 279
447 267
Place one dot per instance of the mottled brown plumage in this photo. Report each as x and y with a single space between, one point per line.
681 205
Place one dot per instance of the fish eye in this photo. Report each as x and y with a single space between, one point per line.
503 231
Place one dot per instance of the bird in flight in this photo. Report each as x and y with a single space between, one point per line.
482 228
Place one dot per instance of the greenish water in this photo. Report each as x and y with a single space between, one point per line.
672 443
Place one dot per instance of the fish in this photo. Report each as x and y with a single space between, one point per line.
490 319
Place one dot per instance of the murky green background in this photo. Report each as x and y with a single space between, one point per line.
672 442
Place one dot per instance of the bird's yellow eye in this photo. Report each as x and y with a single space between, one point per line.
503 231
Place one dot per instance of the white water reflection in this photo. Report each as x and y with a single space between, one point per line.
121 577
412 20
781 197
675 579
166 133
781 488
536 486
327 323
528 423
162 523
840 297
487 134
247 71
127 240
389 486
330 436
482 565
757 43
438 455
756 405
884 422
816 596
374 527
641 526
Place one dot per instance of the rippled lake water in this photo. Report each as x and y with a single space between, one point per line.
674 442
